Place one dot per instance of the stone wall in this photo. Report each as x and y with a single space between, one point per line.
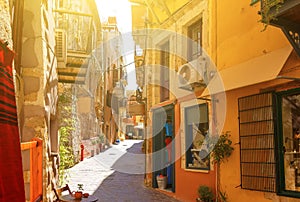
5 26
38 72
36 87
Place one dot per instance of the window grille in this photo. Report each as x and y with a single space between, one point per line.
256 122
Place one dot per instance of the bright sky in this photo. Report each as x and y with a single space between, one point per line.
119 8
122 10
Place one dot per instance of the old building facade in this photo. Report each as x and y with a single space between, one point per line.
36 82
78 36
114 80
247 61
48 54
166 102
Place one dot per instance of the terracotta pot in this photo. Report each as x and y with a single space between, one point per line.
78 194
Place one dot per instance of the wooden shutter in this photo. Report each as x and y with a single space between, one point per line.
256 122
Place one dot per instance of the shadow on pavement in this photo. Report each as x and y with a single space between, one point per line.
126 183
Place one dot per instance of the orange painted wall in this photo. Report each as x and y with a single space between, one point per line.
187 182
230 170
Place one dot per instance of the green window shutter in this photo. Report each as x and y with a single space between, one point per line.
257 142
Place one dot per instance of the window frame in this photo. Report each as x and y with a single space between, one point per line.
279 142
164 71
191 39
280 178
187 145
257 135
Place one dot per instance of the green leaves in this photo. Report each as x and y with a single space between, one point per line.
67 128
222 149
205 193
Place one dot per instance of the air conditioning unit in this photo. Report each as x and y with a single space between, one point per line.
195 73
61 47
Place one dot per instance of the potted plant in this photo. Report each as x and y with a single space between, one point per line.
98 146
78 194
221 148
266 14
161 181
93 147
205 194
101 142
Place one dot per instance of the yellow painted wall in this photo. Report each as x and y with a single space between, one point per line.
232 34
239 33
239 38
230 170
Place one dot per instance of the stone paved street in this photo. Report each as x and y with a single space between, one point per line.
117 174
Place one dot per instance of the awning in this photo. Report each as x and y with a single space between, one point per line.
254 71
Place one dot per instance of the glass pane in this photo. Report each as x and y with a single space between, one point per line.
196 127
291 143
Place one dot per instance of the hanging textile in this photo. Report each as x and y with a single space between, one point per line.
11 173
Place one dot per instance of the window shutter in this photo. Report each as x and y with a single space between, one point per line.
256 124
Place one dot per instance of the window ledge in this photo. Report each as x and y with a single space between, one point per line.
196 171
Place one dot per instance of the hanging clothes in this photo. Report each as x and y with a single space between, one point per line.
11 173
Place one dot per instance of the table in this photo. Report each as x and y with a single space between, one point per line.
69 197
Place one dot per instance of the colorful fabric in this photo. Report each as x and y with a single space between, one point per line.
169 129
11 173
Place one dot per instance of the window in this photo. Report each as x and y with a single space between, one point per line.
196 127
195 40
289 142
258 166
164 72
270 148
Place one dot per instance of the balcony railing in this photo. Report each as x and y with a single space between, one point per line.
75 43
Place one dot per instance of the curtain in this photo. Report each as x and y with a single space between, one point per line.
11 172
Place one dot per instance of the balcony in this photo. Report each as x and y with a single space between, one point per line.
284 14
75 69
74 43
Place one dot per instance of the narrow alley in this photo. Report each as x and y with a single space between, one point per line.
150 100
116 175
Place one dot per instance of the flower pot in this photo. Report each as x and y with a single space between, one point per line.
77 194
161 181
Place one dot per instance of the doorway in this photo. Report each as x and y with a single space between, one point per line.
163 147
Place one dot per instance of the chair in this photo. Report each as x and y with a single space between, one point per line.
58 191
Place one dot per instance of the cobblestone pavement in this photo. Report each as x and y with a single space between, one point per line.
117 174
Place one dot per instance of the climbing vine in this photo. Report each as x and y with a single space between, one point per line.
65 133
